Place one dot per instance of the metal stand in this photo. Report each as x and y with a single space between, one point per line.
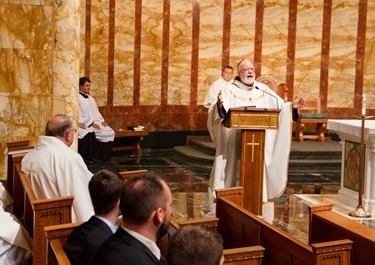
360 212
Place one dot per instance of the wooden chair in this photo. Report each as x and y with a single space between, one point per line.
310 113
280 88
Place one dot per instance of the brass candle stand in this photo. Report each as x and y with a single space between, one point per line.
360 212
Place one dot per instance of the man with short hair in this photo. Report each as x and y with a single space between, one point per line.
95 135
196 245
54 170
146 211
225 80
243 92
105 189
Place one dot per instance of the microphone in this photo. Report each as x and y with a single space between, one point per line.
277 102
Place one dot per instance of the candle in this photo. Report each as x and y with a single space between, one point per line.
364 105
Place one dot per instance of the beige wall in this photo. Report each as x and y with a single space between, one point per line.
152 61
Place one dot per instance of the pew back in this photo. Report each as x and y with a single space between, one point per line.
240 228
39 213
328 225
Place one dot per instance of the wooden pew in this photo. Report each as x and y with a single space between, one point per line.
240 228
15 148
57 235
37 214
327 225
250 255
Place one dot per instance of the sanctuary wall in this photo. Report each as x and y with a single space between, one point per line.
151 62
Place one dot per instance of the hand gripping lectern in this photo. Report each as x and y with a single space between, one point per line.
253 122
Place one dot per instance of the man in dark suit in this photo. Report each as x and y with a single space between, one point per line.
146 211
105 189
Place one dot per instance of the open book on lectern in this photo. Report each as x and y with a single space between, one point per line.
250 117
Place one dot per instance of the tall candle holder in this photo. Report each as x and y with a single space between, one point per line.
360 212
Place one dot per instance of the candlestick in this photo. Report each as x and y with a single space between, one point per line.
364 105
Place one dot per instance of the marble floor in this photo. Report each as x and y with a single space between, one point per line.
189 185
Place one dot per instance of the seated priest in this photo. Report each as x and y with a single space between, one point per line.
15 242
55 170
95 136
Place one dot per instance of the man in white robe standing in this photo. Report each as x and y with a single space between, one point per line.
91 126
248 92
218 133
55 170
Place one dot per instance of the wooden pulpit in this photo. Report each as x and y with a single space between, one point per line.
253 122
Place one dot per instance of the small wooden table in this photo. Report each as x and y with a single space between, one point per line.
129 140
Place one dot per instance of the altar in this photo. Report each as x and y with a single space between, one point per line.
349 132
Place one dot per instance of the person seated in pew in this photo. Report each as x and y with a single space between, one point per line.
95 136
15 242
196 245
55 170
146 212
105 189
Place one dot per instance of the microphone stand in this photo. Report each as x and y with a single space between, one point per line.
277 102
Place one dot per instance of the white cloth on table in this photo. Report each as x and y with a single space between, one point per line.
55 170
226 170
87 114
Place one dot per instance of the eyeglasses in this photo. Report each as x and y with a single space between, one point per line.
246 70
72 130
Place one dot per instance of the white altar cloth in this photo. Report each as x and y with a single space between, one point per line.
349 132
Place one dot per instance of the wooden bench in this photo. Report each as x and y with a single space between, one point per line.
128 174
251 255
310 113
57 236
37 214
328 225
129 140
240 227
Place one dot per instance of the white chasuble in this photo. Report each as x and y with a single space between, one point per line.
226 169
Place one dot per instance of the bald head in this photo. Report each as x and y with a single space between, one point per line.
246 71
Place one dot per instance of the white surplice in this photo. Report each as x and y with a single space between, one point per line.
55 170
277 143
15 242
89 113
213 126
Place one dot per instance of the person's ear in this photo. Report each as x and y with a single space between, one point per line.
159 216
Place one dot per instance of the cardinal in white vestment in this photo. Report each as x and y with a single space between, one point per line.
15 242
91 121
55 170
248 92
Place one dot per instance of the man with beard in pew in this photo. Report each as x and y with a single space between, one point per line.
146 212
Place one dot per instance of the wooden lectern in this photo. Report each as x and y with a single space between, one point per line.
253 122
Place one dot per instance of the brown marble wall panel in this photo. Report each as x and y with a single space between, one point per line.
342 55
308 48
124 54
242 31
210 46
25 86
369 62
151 39
180 43
275 39
26 26
99 50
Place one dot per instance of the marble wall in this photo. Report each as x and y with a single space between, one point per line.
152 61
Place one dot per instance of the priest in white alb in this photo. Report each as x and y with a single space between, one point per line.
55 170
246 91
